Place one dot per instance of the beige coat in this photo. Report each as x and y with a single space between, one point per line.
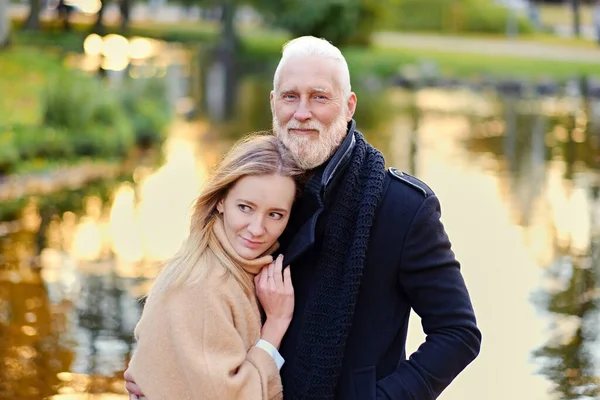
197 341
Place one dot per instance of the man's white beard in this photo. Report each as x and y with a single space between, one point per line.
309 151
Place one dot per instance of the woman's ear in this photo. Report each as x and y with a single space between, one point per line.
220 206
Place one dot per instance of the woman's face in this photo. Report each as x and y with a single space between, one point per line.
255 212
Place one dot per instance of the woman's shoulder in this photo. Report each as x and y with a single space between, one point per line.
212 285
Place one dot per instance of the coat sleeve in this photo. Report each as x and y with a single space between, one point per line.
212 356
430 276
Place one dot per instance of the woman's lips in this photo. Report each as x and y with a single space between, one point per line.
251 244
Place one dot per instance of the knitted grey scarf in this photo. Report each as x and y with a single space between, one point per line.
330 307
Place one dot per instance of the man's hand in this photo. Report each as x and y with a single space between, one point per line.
135 392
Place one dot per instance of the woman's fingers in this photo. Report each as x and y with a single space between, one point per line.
272 269
287 278
277 276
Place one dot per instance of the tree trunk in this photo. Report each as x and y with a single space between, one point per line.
4 24
64 14
227 51
33 19
125 8
576 6
99 27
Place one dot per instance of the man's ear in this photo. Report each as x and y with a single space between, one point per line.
271 97
351 104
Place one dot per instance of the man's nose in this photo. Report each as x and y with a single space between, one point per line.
256 227
303 112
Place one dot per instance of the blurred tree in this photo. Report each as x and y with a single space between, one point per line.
339 21
4 24
33 19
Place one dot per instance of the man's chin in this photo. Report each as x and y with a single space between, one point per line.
308 134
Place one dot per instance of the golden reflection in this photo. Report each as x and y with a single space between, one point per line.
30 217
117 63
93 44
27 352
140 48
561 133
115 49
569 210
114 46
149 221
578 135
124 230
87 243
455 101
166 198
85 6
29 330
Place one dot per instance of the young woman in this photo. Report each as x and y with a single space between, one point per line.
200 335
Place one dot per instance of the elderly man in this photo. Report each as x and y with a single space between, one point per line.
365 245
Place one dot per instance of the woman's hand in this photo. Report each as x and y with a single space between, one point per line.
276 295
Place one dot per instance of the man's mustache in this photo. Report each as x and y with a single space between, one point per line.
294 125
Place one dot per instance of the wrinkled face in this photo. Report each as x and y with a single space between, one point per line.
310 115
256 211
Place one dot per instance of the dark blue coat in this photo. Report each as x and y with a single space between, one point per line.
409 264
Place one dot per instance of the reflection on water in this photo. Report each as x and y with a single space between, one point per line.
519 185
69 285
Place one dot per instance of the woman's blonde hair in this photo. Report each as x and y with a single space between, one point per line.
255 154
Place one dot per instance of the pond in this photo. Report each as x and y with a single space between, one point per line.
519 183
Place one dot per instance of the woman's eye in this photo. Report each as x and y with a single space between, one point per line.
244 207
276 215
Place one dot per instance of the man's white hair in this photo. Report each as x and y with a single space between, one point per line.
307 46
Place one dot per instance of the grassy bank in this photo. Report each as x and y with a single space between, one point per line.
386 61
51 116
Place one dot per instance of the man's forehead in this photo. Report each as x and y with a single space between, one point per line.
309 70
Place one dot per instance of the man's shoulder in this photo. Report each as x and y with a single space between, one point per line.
408 183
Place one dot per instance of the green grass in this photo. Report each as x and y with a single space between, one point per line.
40 165
25 72
545 39
384 61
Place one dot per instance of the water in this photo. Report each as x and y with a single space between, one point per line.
519 184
